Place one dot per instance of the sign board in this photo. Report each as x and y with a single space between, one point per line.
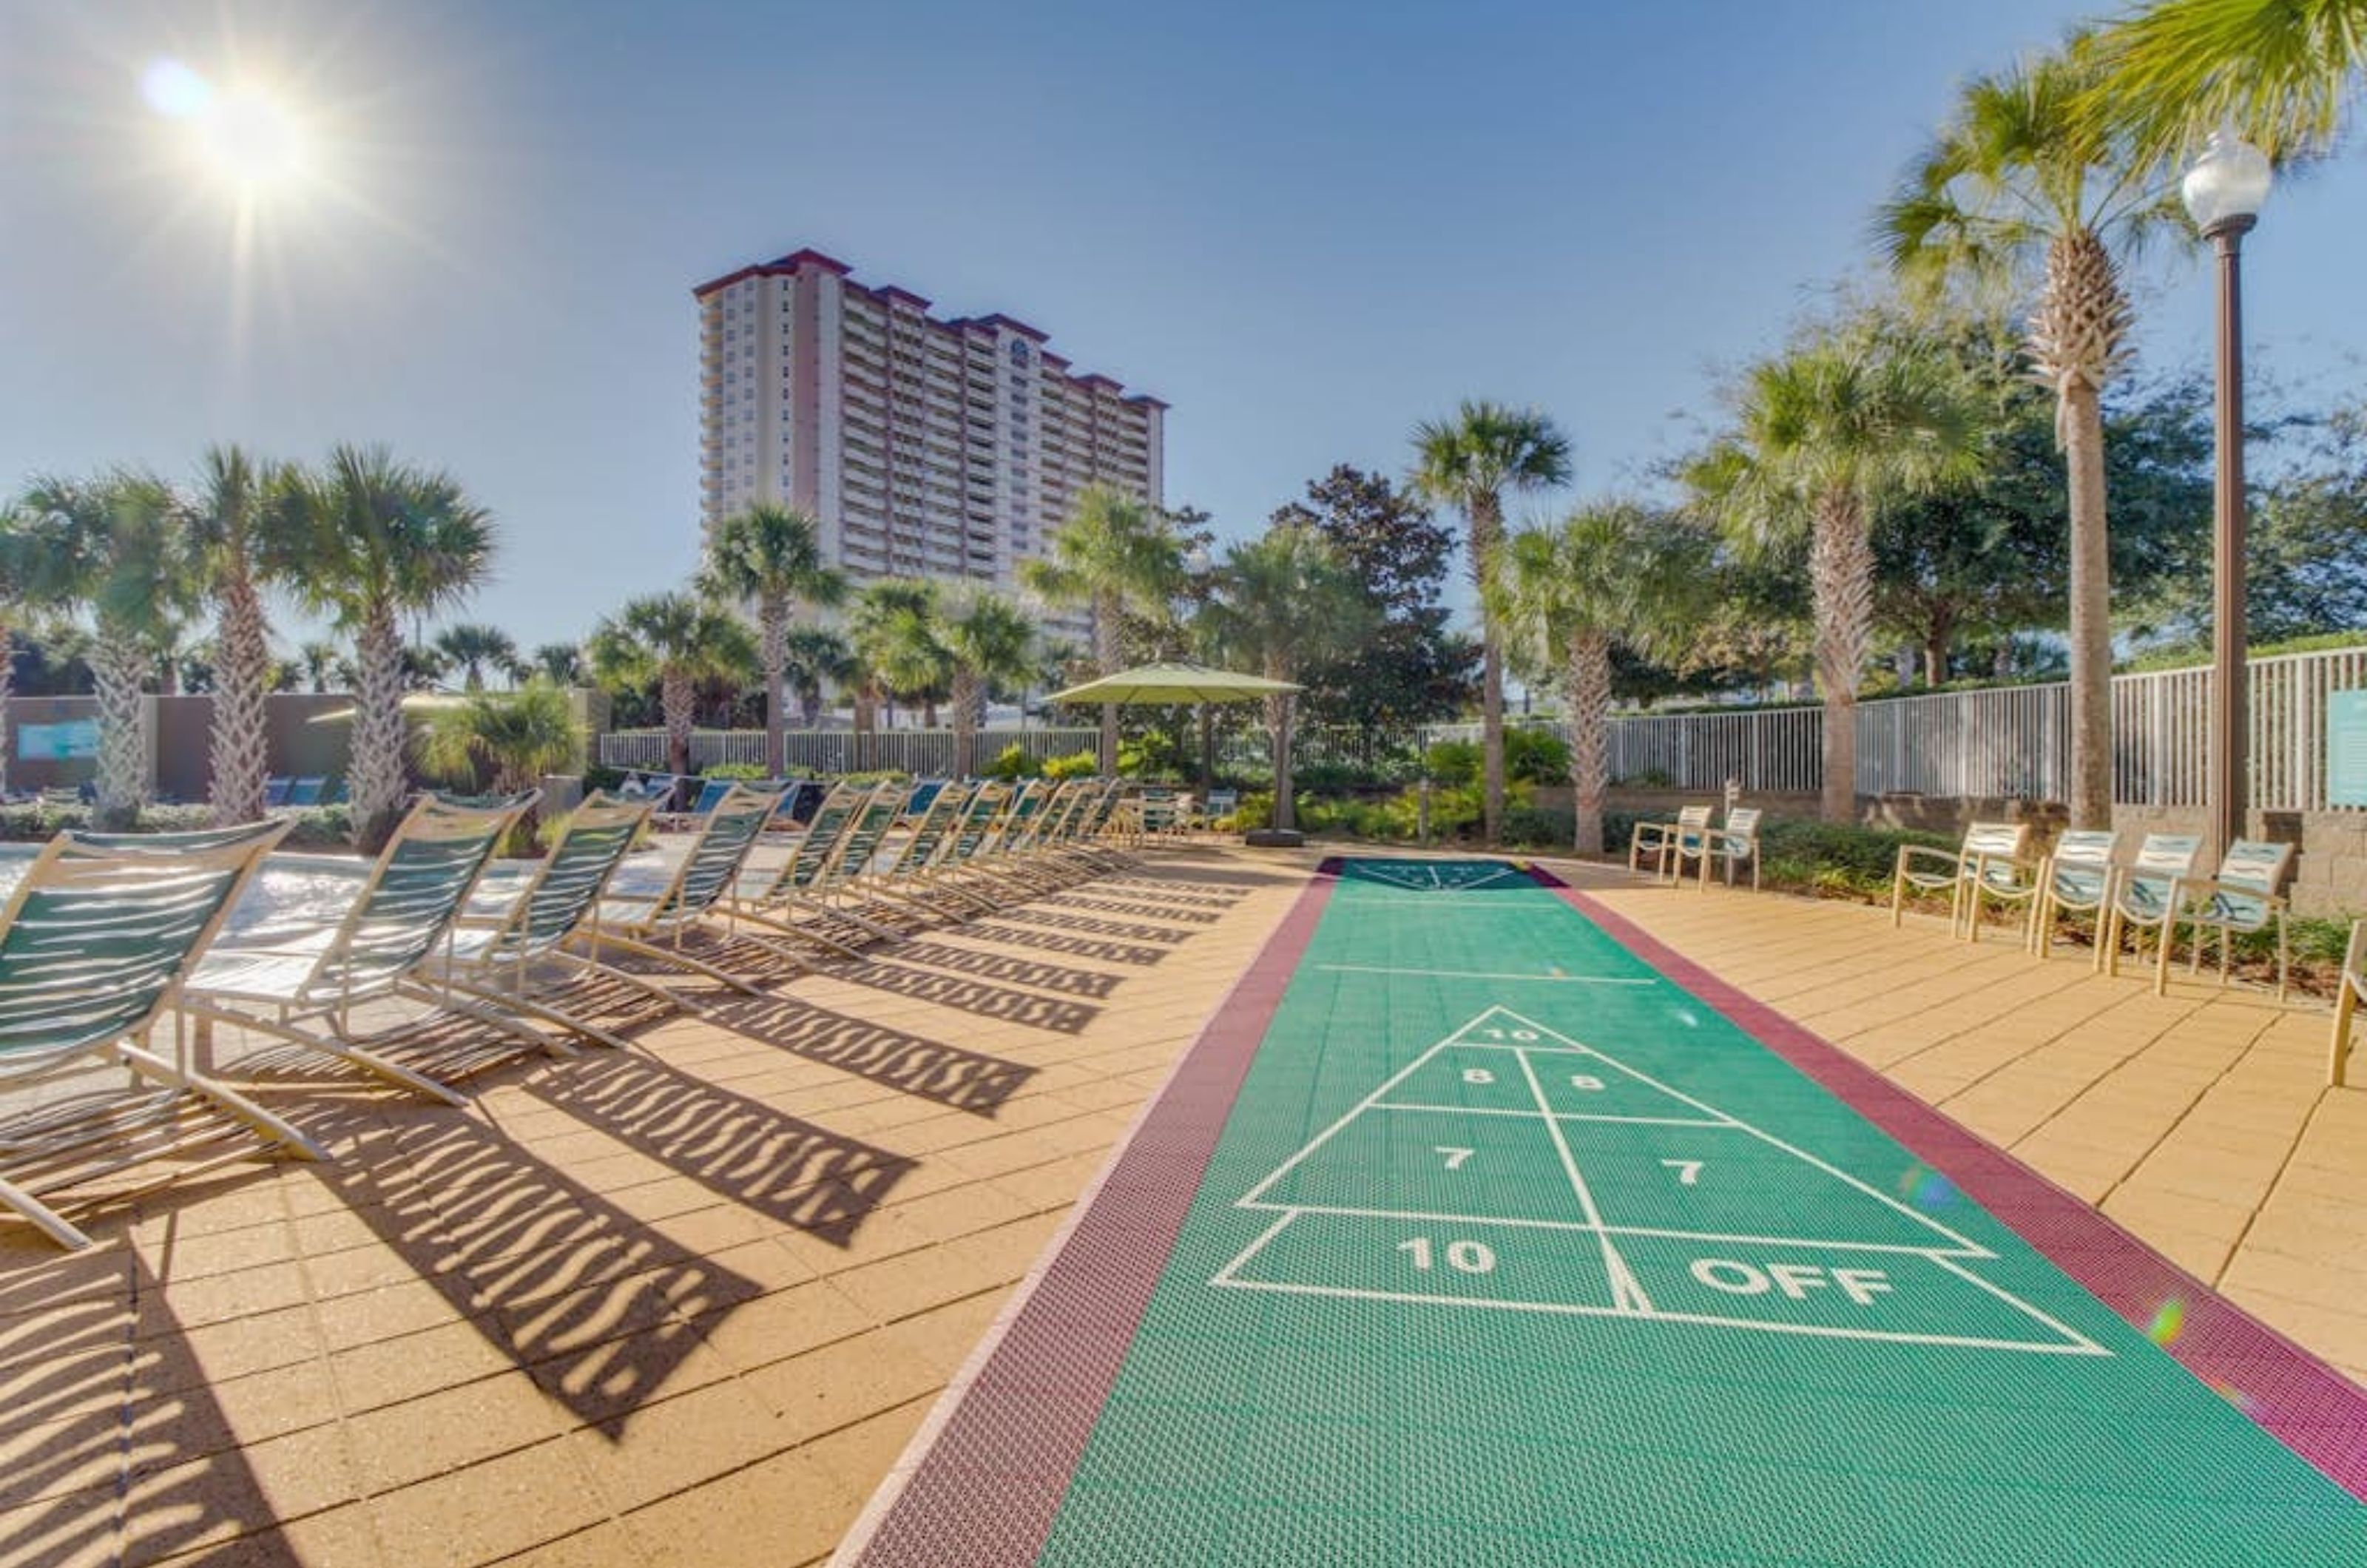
2346 748
58 742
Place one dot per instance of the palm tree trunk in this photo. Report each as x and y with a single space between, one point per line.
1278 730
377 770
118 666
1207 748
7 688
678 702
1590 737
1487 535
967 691
1106 610
809 706
773 638
1840 570
242 670
2091 611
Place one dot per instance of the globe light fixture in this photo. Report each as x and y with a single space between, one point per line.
2224 192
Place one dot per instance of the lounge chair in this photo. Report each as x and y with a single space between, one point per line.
275 791
2075 878
2350 988
711 794
693 898
307 792
2241 900
1660 838
95 943
795 897
1991 854
2143 894
1736 842
501 958
304 991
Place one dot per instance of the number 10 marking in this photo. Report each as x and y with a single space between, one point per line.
1463 1256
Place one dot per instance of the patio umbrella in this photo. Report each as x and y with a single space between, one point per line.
1172 683
414 704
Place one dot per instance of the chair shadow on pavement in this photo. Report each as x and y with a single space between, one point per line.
789 1170
594 1304
114 1448
1009 969
950 1075
1002 1003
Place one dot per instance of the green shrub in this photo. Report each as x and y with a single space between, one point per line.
1077 765
321 828
1535 756
599 777
1454 762
745 771
1255 810
1532 827
1012 764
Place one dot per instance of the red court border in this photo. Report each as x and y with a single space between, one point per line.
982 1481
2292 1395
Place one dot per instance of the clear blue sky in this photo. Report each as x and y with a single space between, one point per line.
1307 226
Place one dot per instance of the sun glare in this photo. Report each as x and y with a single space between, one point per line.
245 135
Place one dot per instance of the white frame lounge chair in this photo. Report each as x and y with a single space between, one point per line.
95 944
694 897
2143 892
382 949
2075 878
2241 900
2349 990
1990 851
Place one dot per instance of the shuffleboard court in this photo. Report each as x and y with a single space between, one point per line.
1478 1229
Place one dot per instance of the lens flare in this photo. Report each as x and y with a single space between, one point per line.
2169 1322
1925 1188
174 90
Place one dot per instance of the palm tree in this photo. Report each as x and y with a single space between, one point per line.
560 663
515 737
1468 462
18 544
892 628
115 545
990 642
473 648
772 555
1616 575
319 661
385 538
1281 601
1114 554
2281 70
674 640
2025 182
816 657
1826 436
247 535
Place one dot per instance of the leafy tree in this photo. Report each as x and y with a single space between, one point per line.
1826 436
560 663
892 630
1281 600
1613 575
116 547
512 739
1469 463
1412 668
1114 554
2281 70
385 539
2027 183
671 641
473 648
18 541
772 556
816 657
320 662
989 641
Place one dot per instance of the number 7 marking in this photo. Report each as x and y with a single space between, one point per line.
1688 1171
1455 1158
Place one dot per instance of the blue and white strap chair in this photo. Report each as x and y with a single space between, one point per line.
2144 894
1991 858
2076 879
2242 900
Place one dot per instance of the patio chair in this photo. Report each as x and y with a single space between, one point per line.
2350 988
304 991
1736 842
795 898
275 790
495 957
1659 839
2075 878
2142 894
693 898
307 792
1990 854
2241 900
1218 808
711 794
94 943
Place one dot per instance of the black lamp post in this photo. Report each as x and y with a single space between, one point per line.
2223 192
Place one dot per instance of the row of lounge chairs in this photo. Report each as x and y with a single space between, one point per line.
111 939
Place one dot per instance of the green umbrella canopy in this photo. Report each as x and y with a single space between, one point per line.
1173 684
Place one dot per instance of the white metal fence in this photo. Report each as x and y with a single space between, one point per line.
2007 742
923 752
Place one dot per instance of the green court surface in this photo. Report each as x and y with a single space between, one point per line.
1514 1252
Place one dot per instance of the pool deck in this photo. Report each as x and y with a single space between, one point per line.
688 1304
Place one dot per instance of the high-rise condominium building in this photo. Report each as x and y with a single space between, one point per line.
927 447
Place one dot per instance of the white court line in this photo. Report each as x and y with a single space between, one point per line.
1557 1116
1804 1244
2083 1346
1247 1200
1626 1290
1483 975
2014 1300
1225 1276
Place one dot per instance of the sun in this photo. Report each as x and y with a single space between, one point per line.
245 134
